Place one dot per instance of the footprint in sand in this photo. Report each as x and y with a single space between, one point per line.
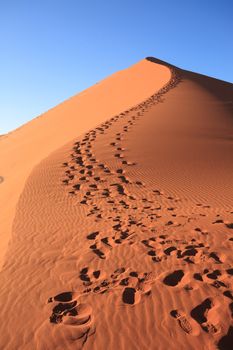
74 320
89 278
184 323
174 278
137 285
229 225
62 297
117 273
120 189
212 278
130 296
129 163
200 315
92 235
229 295
70 323
101 254
119 155
215 257
124 179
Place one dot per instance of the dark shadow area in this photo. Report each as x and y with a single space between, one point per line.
128 296
93 235
64 297
200 311
229 225
221 89
174 278
226 342
63 309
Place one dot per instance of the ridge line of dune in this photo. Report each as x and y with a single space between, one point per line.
67 100
172 83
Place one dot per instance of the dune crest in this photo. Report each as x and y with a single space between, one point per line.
122 238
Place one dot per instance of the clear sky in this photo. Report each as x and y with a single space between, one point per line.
52 49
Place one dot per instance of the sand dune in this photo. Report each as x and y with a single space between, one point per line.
25 147
122 221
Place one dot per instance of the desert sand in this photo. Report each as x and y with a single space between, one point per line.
117 217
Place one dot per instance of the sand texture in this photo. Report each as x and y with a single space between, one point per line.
117 217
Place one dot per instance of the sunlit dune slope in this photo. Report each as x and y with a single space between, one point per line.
25 147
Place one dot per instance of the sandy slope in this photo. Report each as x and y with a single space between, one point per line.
122 238
25 147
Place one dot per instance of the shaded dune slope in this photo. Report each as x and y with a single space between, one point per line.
122 238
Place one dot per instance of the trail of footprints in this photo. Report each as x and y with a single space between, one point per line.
90 182
132 283
133 286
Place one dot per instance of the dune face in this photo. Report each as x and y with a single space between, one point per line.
122 220
24 148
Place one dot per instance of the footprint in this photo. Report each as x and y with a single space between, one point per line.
96 274
229 225
200 313
70 323
230 271
120 189
119 155
169 250
130 296
214 275
126 162
84 276
92 235
174 278
189 252
61 310
62 297
98 252
139 183
182 321
77 187
198 277
124 179
117 273
120 171
228 294
68 306
214 256
218 221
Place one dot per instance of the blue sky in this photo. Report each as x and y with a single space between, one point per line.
52 49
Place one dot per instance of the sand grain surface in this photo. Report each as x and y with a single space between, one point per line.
123 229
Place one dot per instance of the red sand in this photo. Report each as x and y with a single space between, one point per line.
117 220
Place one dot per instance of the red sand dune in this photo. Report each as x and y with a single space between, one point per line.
116 215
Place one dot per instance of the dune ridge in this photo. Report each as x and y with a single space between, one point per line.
120 237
